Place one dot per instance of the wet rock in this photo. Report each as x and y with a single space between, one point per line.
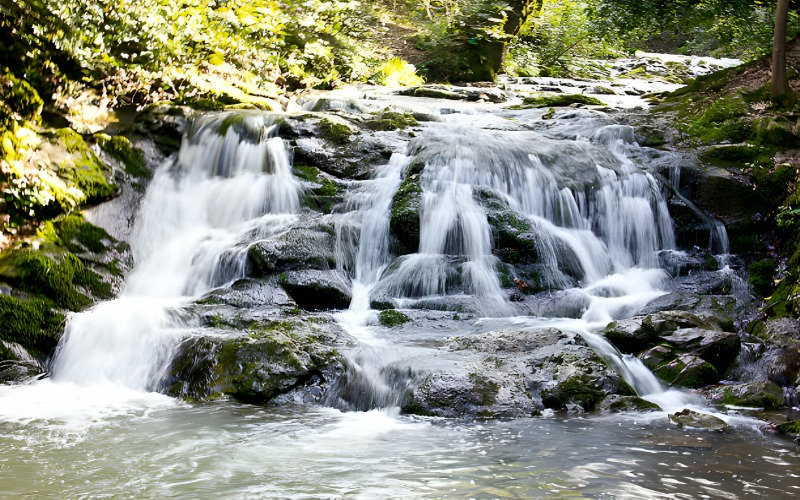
14 372
616 403
632 335
517 373
257 365
718 348
695 420
494 95
251 293
405 222
310 247
687 370
317 290
766 395
335 147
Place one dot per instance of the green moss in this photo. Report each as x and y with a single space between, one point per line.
404 222
391 318
484 391
711 262
306 172
77 235
336 133
325 196
760 400
760 275
391 120
120 148
31 324
721 121
577 390
790 427
557 100
84 169
53 277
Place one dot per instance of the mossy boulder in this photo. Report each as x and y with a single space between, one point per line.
391 318
335 132
121 149
766 395
31 323
390 120
687 371
718 348
83 168
558 100
405 217
579 390
50 273
323 192
310 247
256 365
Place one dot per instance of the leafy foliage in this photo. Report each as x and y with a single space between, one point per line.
728 28
149 50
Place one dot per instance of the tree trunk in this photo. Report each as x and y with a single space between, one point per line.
515 18
780 84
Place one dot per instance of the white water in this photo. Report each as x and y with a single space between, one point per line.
199 215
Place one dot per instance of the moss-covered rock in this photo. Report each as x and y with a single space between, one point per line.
324 192
580 390
766 395
32 323
83 168
257 365
687 371
120 148
337 133
557 100
391 318
405 216
391 120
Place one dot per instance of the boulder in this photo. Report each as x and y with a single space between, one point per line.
695 420
718 348
270 359
632 335
315 290
510 373
687 370
405 220
765 395
310 247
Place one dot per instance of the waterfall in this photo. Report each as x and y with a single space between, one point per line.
231 183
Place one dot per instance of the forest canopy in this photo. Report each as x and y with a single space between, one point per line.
142 51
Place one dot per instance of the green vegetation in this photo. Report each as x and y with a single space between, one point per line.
405 213
557 100
579 390
391 318
30 323
337 133
120 148
391 120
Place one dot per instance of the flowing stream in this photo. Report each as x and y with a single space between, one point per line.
597 220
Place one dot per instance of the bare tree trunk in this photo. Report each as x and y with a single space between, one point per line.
780 84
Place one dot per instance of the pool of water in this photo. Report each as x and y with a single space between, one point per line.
150 445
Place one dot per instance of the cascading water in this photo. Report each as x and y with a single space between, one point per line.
231 184
590 221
